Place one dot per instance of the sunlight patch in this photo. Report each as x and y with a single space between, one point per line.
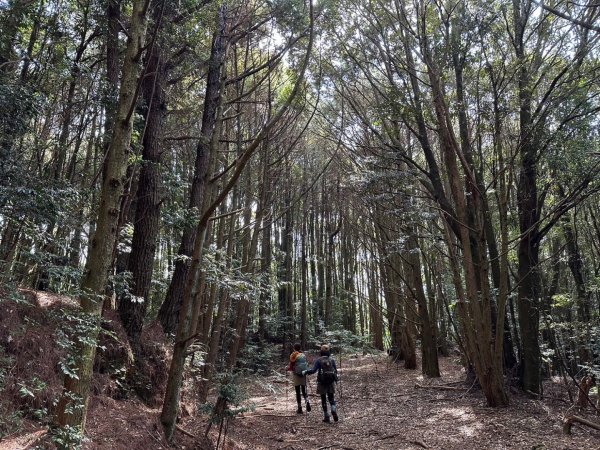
470 430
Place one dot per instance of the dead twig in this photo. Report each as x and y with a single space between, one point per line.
469 390
156 439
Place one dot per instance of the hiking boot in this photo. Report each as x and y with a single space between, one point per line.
308 408
299 410
334 412
326 419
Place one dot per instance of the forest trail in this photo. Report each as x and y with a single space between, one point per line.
381 407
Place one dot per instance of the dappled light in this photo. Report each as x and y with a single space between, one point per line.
299 224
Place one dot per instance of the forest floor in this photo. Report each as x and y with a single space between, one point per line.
380 404
383 406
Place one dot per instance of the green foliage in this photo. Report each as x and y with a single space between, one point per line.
13 294
18 105
284 93
231 397
76 332
30 390
227 275
39 201
11 420
177 218
67 437
342 340
121 284
257 357
562 301
290 14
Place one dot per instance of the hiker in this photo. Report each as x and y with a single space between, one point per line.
298 365
326 379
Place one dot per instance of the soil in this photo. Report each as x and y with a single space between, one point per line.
380 405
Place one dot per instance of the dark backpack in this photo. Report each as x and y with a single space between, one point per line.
300 364
327 374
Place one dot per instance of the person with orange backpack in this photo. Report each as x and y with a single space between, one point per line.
326 379
298 365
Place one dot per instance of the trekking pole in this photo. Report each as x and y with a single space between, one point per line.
307 396
341 390
286 389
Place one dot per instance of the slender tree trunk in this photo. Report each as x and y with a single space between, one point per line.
218 324
303 288
266 252
60 151
320 232
429 363
314 289
374 308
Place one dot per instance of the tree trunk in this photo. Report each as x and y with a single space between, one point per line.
475 312
169 310
72 407
266 251
527 203
133 306
374 308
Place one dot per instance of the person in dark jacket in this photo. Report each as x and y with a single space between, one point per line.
298 364
326 379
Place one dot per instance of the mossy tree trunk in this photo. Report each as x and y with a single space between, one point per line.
72 408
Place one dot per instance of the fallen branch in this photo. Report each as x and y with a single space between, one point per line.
533 394
415 442
334 446
389 436
267 415
187 433
440 387
569 421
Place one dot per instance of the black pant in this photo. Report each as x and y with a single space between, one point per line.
329 396
304 394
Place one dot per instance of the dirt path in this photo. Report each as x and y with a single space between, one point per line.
381 408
